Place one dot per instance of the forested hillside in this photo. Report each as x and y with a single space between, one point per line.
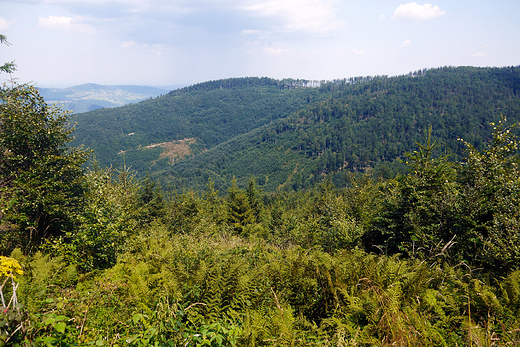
290 134
97 257
362 123
94 255
211 113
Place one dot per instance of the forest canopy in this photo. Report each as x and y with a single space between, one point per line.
292 134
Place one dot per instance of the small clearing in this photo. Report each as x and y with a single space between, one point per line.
174 150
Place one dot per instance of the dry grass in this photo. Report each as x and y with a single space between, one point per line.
174 150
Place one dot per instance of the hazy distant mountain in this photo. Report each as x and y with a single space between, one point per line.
90 96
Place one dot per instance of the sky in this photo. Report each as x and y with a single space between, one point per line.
62 43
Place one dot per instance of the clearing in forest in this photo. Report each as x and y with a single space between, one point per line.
174 150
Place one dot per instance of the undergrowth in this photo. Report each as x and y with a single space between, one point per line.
173 290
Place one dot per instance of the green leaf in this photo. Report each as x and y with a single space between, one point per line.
60 327
48 339
61 318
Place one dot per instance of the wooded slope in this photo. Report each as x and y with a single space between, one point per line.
290 138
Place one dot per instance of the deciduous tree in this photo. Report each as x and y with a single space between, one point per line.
41 180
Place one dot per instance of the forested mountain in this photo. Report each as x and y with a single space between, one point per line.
290 134
364 123
210 113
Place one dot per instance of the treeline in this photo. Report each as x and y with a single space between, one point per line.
297 135
235 83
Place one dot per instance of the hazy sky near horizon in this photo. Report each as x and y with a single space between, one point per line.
59 43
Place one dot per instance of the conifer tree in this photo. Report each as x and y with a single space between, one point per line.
8 67
240 212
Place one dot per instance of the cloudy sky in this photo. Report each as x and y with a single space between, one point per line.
164 42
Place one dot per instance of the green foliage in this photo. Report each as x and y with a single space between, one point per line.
150 204
112 210
327 223
490 188
419 207
211 113
357 125
465 212
128 264
290 134
244 206
184 213
41 184
215 291
8 67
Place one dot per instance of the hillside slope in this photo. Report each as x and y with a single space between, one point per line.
290 137
209 113
364 124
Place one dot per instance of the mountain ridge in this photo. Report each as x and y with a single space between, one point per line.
345 125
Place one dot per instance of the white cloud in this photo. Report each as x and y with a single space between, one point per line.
358 52
128 44
251 32
65 23
181 20
413 11
157 49
4 25
55 22
406 43
256 34
479 54
277 51
317 16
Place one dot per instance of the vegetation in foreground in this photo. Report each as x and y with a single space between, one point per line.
95 257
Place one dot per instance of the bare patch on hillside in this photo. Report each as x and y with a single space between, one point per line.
174 150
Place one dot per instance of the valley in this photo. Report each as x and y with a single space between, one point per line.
90 96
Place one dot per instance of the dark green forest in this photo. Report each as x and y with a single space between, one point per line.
291 134
374 211
211 112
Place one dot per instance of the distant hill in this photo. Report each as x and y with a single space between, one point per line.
291 134
90 96
209 113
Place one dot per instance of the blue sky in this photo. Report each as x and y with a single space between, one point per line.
165 42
